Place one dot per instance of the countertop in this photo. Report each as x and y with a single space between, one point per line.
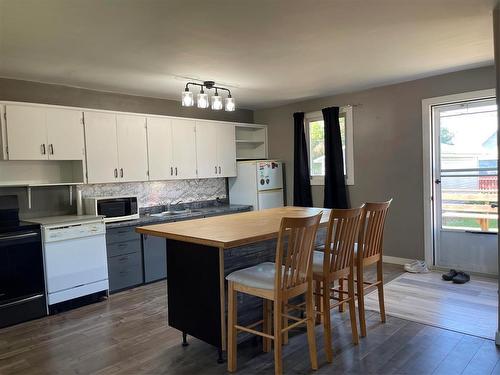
193 214
232 230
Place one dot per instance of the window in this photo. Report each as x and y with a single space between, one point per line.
315 135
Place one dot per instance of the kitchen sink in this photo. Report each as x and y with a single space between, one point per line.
173 212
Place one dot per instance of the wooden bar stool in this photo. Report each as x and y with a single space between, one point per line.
369 251
290 276
336 262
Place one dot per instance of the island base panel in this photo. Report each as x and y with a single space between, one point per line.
193 288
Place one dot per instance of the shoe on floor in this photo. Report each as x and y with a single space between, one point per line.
417 266
461 278
449 275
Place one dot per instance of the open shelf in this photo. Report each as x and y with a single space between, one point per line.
40 173
251 142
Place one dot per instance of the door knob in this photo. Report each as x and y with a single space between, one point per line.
437 181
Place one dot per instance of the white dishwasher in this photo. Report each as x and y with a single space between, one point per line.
75 259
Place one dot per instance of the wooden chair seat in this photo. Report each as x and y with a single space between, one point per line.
260 276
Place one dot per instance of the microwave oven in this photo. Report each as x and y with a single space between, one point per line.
112 208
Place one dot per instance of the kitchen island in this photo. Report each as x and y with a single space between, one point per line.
201 252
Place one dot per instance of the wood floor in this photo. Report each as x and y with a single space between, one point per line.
128 335
470 308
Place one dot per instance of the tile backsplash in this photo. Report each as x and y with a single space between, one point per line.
154 193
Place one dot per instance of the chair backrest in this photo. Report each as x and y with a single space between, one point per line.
294 249
371 233
343 230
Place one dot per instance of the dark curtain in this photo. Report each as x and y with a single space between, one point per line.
335 189
302 195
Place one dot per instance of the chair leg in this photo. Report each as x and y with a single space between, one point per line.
361 299
380 287
311 337
267 326
341 295
285 322
318 303
278 338
352 308
327 324
232 320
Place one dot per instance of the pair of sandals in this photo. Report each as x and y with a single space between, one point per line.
458 277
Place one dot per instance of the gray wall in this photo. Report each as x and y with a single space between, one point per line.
55 200
34 92
387 147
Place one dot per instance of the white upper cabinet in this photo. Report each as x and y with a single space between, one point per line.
132 148
226 150
206 149
184 148
44 133
171 149
26 133
161 165
101 147
65 134
215 149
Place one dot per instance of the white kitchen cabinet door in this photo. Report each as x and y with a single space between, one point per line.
226 150
132 148
101 147
65 134
160 148
184 148
206 149
26 133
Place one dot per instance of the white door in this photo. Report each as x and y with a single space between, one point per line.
270 199
160 148
226 150
132 148
466 186
26 133
206 149
65 134
101 147
184 148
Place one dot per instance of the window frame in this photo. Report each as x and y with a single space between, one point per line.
349 144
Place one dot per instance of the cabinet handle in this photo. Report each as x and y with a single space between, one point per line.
219 170
42 149
121 172
176 171
171 171
215 169
51 149
116 173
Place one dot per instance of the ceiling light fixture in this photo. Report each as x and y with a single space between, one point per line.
202 100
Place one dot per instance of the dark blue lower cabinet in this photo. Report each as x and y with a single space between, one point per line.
155 258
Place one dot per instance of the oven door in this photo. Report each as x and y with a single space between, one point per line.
21 267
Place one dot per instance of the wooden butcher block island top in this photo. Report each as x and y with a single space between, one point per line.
231 230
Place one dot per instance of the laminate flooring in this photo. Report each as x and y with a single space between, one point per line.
128 334
469 308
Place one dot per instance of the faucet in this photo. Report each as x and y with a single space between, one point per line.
170 203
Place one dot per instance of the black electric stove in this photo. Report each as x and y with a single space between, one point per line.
22 283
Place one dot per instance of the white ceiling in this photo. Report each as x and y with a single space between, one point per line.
268 52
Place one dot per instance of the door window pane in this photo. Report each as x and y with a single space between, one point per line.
468 158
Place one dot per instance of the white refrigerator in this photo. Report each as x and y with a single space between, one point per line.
258 183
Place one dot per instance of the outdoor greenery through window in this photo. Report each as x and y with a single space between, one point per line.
315 131
317 146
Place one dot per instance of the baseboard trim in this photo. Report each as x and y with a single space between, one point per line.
395 260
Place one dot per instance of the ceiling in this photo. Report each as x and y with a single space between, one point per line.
269 52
